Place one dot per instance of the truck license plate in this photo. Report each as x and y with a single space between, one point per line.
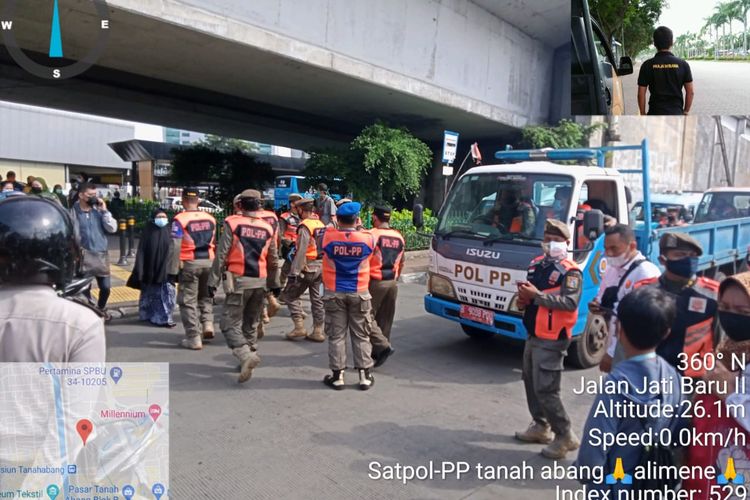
477 314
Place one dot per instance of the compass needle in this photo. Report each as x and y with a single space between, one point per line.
55 42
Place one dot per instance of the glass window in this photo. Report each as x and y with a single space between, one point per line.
506 206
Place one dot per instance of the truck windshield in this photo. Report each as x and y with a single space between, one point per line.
505 206
723 205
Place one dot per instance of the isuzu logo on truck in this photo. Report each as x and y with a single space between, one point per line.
484 254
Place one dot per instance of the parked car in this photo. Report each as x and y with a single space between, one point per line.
687 203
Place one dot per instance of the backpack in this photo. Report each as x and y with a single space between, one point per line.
654 458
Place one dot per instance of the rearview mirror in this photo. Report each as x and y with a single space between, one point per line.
628 196
593 224
625 67
417 217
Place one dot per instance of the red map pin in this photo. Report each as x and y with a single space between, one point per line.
84 428
154 411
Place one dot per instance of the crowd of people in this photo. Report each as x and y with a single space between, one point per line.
662 327
258 259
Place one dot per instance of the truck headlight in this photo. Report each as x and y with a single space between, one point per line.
439 285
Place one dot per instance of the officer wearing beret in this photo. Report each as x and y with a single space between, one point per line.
549 297
695 331
348 308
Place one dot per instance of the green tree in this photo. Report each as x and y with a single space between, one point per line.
566 134
227 144
382 163
631 21
228 172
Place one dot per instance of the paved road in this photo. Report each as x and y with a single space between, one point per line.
720 88
441 397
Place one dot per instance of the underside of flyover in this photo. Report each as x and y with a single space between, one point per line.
155 71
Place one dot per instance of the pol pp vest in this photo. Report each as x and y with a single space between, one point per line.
198 232
692 331
388 257
543 322
316 227
346 260
291 222
251 238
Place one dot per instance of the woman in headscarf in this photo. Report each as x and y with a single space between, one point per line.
727 408
39 188
150 272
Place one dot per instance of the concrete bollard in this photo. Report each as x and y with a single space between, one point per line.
131 236
122 226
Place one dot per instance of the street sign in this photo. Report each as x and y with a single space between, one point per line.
447 170
450 144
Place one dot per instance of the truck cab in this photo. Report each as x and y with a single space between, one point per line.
491 227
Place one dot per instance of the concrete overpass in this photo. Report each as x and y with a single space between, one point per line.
303 73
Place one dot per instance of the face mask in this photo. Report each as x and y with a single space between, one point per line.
556 249
91 200
161 222
736 326
58 191
685 267
618 260
36 190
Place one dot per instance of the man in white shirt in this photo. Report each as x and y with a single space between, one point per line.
39 254
626 266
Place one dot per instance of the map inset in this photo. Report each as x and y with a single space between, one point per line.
91 431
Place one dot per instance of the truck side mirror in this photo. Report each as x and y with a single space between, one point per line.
628 196
417 217
593 224
625 67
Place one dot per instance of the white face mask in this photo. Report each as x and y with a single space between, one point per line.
556 249
618 260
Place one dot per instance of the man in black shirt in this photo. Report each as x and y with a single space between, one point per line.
664 75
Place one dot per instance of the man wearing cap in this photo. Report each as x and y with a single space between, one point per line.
325 205
194 243
247 260
695 331
513 214
348 307
385 269
288 223
550 299
305 273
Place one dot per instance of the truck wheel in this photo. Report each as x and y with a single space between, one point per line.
476 333
588 348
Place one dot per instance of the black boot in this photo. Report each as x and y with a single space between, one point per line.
381 356
366 379
335 380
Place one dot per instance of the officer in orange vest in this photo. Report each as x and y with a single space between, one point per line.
695 331
273 304
348 307
514 214
305 273
288 223
385 269
549 297
247 263
194 242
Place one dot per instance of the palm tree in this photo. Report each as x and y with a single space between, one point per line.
743 9
716 20
731 11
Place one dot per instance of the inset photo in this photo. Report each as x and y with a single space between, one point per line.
655 57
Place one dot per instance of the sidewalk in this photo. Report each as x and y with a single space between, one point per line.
123 301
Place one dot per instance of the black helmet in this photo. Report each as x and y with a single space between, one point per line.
37 242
